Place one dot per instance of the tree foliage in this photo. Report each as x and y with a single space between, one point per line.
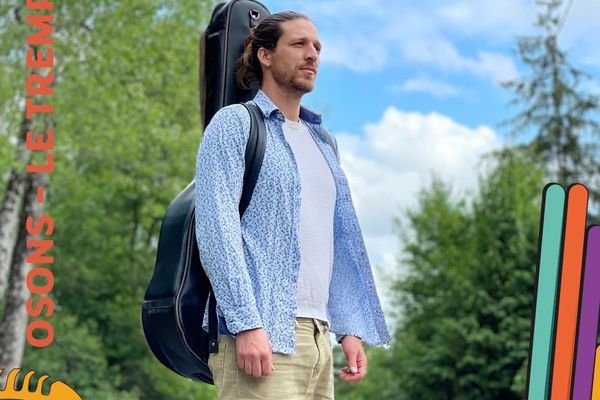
552 104
127 129
465 292
467 295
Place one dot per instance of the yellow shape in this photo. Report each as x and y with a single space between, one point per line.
596 387
58 390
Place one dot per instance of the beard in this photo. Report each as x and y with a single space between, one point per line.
294 80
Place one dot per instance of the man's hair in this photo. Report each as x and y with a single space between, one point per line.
266 34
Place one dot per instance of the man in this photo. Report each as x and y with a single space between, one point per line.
296 264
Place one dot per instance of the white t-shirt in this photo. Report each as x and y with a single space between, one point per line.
318 194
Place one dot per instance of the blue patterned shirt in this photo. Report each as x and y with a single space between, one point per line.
253 263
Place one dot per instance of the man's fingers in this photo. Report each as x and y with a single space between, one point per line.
349 377
351 358
254 354
361 362
266 366
356 358
362 371
248 366
256 369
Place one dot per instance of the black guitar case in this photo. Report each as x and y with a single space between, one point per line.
179 291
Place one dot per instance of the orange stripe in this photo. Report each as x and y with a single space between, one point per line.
568 306
40 194
596 387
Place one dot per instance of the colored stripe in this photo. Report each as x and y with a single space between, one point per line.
588 317
551 226
596 390
568 296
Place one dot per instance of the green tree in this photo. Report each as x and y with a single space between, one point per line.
466 296
77 358
127 130
552 104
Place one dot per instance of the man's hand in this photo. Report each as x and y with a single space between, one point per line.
357 360
254 354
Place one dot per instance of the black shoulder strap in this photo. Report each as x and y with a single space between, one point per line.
255 151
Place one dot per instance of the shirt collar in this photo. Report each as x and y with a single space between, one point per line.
268 108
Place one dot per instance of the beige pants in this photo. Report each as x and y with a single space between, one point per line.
306 375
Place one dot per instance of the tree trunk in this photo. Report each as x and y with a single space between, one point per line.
14 324
9 210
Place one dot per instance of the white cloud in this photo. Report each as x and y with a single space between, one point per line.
373 56
580 33
430 51
363 37
497 20
370 35
424 84
494 65
441 53
433 51
393 158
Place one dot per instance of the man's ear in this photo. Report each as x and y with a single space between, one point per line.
264 57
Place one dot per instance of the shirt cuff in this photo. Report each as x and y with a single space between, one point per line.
339 337
243 319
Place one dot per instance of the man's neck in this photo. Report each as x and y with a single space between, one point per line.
288 103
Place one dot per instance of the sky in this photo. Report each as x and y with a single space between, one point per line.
411 89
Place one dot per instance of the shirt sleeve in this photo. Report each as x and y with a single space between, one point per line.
219 178
339 338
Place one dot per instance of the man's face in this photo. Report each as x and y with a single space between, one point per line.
295 60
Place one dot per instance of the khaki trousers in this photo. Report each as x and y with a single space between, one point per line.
306 375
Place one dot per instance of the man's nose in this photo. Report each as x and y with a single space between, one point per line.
312 53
